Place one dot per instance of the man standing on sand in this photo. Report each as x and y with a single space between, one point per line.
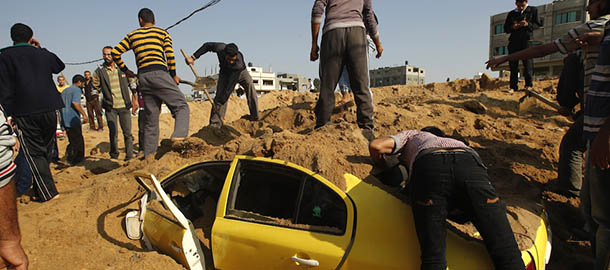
118 101
520 24
29 95
232 71
344 44
12 255
158 82
94 110
70 117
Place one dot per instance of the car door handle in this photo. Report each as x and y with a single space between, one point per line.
298 260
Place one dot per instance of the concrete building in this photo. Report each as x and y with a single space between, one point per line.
557 17
263 81
402 75
289 81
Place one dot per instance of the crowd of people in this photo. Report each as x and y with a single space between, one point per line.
437 169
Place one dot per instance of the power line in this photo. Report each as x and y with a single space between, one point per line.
211 3
84 63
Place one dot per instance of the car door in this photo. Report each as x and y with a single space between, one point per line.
276 215
171 235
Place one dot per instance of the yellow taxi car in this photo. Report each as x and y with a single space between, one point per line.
259 213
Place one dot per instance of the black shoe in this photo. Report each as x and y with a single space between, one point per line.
251 118
368 134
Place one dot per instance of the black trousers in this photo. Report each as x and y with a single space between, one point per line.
75 152
141 125
225 87
344 48
37 138
528 65
456 180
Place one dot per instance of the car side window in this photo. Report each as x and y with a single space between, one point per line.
265 192
322 207
279 195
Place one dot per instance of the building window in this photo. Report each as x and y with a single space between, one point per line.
268 82
498 51
255 81
499 29
566 17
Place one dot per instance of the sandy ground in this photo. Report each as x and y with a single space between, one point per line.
83 229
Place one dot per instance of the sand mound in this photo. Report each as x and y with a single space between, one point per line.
520 151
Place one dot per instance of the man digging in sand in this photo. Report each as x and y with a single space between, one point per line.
443 175
232 71
152 47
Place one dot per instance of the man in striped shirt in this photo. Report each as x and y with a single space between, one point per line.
597 134
12 255
156 63
569 43
444 175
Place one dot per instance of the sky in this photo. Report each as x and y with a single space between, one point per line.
448 38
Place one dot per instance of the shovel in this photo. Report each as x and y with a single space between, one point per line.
201 83
528 101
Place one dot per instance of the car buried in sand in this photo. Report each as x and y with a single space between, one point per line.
259 213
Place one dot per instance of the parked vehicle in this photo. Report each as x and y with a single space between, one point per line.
272 214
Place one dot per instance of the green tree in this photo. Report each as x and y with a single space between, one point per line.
316 84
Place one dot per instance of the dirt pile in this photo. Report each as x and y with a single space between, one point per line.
520 151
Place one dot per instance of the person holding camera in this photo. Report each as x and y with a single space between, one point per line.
520 24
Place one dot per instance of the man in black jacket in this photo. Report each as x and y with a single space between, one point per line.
520 24
232 71
28 94
117 100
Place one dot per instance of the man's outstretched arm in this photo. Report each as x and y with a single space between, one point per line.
380 147
529 53
205 48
